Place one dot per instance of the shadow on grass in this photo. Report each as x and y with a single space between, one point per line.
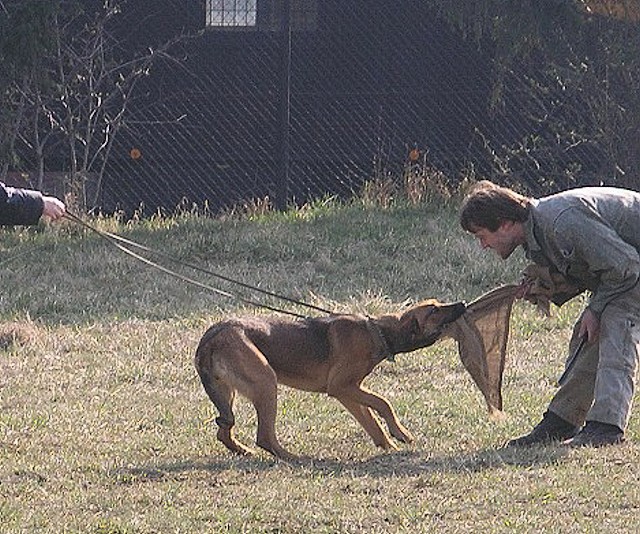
411 463
398 464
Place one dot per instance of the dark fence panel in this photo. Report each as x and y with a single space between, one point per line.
337 94
366 83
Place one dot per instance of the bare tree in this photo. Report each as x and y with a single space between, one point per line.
576 54
85 86
25 39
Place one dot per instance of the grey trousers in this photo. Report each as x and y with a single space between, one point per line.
601 384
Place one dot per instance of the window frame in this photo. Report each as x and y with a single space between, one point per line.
268 16
231 14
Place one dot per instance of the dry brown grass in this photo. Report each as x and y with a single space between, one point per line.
105 428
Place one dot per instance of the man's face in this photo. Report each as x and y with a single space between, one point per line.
503 241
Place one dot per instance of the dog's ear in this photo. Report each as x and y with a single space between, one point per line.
415 321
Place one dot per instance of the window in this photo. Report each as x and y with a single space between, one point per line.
231 13
266 15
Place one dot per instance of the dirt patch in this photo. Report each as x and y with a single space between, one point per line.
16 334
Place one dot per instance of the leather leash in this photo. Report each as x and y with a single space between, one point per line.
123 244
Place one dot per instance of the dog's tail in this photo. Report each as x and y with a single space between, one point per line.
218 391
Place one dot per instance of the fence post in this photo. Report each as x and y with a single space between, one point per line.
282 179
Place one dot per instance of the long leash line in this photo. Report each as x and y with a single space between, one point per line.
120 242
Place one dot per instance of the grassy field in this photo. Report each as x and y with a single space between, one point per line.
105 428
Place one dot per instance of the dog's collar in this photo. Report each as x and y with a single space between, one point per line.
385 351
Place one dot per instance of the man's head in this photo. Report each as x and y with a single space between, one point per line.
495 215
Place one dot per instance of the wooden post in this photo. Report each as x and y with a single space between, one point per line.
282 179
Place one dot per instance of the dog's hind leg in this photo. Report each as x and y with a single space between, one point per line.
365 417
231 362
263 393
256 380
222 396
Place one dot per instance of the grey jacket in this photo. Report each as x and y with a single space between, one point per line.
592 236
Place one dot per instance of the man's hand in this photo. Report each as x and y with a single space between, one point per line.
53 208
589 325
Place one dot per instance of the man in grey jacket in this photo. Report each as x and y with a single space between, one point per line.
591 235
26 206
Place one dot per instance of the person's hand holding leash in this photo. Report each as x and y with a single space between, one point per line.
53 208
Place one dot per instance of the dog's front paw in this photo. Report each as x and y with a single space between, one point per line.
402 435
387 446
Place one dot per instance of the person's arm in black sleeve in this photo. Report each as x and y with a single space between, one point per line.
20 206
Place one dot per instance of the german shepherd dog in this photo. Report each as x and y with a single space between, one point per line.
331 355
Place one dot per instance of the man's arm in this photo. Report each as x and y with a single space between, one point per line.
26 206
612 261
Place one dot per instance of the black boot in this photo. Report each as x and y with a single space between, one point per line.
595 434
551 428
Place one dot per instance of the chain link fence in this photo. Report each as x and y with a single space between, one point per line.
288 101
340 94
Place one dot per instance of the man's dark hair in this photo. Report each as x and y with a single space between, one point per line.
488 205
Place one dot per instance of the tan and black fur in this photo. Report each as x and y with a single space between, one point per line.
331 355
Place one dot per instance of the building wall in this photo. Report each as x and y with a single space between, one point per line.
238 116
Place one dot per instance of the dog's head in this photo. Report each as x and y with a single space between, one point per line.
423 324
